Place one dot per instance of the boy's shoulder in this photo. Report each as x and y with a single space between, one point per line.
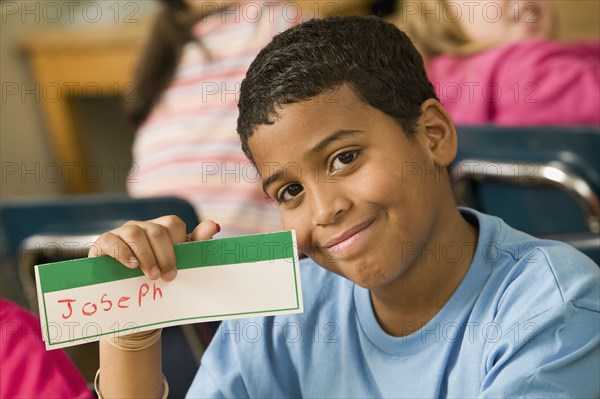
532 274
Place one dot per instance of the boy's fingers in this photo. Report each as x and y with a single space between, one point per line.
175 227
112 245
94 249
148 245
205 231
160 240
136 234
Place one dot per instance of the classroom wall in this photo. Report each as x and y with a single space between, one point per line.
23 139
21 135
24 144
578 19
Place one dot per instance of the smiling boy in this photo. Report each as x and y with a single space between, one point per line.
405 294
353 205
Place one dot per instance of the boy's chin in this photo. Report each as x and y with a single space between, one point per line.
363 276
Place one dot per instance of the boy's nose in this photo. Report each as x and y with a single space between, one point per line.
328 205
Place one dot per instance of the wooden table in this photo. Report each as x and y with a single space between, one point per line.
68 64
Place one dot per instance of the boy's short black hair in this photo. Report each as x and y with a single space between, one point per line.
375 58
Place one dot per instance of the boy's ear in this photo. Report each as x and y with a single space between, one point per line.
439 132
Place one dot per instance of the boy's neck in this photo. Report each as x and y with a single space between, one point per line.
411 301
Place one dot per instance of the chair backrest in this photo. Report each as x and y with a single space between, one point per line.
90 214
541 180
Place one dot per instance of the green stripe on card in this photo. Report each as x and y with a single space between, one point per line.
225 251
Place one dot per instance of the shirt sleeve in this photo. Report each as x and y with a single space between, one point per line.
559 357
550 347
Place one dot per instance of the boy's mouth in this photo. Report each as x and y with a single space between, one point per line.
346 238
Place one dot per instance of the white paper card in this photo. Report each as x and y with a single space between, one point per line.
83 300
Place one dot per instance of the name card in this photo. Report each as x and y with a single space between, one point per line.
83 300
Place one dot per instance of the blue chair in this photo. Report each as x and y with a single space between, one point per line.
541 180
37 232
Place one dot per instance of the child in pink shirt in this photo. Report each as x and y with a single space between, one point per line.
28 370
495 62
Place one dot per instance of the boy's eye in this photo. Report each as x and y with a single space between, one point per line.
289 192
342 160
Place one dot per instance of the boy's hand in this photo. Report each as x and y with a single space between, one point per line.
149 244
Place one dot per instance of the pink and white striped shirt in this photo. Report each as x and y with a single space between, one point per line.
188 147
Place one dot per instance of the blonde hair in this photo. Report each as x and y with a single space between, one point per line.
433 27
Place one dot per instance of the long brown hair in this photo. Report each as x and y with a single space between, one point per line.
171 31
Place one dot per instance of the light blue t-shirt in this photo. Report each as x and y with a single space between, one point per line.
524 322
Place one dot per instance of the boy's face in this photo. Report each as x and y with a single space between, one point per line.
361 196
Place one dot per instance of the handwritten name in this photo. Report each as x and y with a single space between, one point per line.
106 304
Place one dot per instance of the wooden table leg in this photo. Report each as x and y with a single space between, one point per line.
58 114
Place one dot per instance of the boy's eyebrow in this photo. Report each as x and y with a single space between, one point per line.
320 145
271 179
329 139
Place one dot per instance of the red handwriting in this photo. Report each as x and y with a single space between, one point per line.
102 300
90 308
68 302
122 300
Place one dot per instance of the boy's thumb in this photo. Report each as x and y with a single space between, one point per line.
205 231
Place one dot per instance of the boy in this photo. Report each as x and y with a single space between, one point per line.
405 295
